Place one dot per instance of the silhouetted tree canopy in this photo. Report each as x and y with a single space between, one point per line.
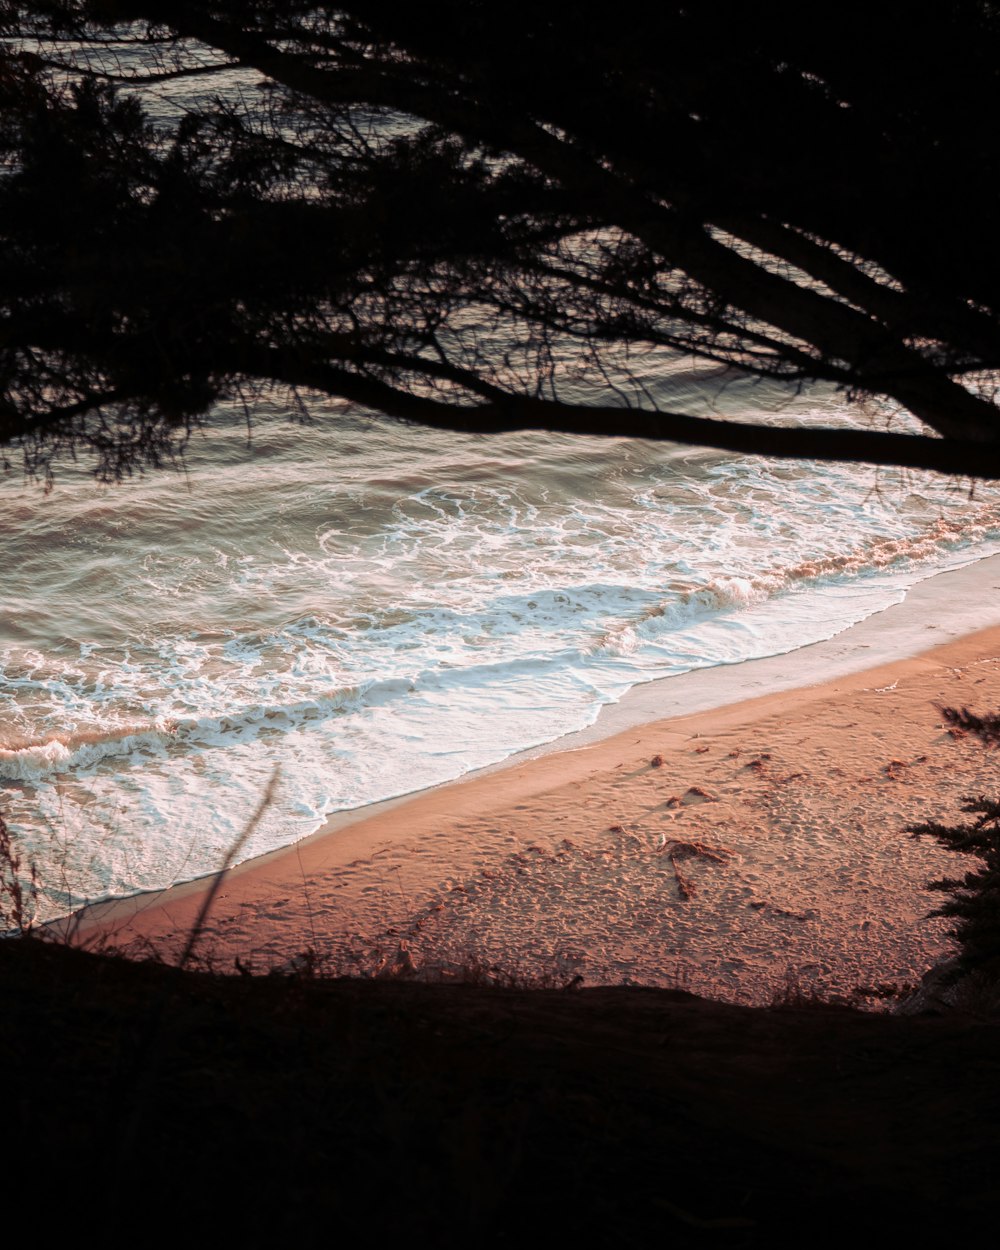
486 216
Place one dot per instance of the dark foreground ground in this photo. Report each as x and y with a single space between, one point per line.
253 1111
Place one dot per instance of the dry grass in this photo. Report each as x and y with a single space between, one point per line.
483 1113
18 887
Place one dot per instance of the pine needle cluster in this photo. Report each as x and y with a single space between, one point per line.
974 902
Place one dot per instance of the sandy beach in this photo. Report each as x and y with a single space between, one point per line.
730 851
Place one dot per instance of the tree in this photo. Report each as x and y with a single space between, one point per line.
487 217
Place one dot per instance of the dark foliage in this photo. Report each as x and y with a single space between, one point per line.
974 903
490 217
258 1111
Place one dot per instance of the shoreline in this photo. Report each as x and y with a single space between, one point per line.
570 858
942 608
895 633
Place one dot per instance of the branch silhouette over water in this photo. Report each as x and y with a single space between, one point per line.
490 218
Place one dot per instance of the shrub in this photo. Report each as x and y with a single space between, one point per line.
974 905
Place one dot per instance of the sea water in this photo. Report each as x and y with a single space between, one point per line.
373 608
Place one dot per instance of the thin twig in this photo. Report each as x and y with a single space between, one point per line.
227 863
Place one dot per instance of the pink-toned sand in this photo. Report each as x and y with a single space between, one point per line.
724 852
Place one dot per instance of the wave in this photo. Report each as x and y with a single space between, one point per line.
682 608
688 606
60 753
33 760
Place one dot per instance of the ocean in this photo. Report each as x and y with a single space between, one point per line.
374 608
